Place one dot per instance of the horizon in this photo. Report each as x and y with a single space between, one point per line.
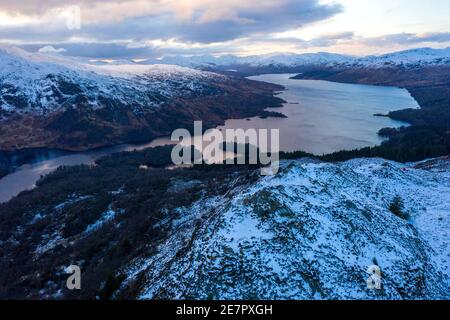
138 29
50 50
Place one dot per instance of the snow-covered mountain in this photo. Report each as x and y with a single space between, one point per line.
40 83
276 60
310 232
49 100
409 58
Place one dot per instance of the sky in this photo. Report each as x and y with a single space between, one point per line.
139 29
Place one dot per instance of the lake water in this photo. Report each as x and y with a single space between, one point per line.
323 117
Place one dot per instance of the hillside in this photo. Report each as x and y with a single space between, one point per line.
309 232
58 102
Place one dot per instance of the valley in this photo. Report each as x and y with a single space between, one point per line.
320 118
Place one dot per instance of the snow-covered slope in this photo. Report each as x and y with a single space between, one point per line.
310 232
60 102
409 58
34 83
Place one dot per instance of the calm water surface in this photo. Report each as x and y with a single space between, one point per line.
325 117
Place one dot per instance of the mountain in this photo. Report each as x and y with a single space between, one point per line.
41 84
424 72
276 60
413 58
310 232
409 59
67 103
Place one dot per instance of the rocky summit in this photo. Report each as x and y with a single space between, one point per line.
311 232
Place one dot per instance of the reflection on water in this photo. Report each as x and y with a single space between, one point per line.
323 117
27 175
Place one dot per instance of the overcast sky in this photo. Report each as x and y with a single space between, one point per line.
152 28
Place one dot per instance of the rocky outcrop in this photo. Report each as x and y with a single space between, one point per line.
310 232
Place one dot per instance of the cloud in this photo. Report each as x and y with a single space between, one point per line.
346 42
141 28
336 36
434 37
51 49
408 38
97 50
326 40
195 20
263 17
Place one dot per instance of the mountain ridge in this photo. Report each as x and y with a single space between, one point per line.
62 103
406 58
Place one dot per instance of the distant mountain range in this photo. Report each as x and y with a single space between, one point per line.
419 57
408 59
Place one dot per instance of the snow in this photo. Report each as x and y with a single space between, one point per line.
409 58
311 232
71 199
412 58
245 229
37 83
106 217
49 242
165 70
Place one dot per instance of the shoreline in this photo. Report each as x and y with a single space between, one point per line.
428 133
48 153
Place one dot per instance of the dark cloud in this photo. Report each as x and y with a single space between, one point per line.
292 14
242 21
